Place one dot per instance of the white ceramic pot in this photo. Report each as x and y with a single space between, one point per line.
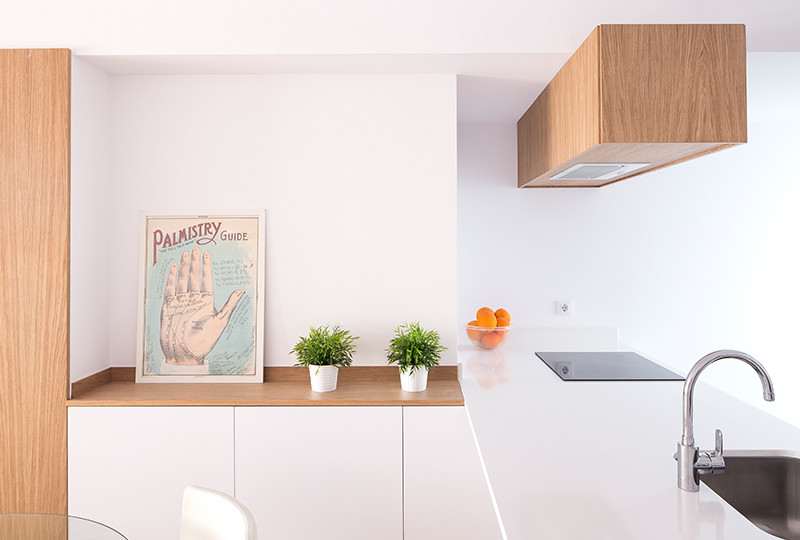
323 378
414 380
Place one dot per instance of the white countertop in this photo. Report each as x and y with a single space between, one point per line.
593 460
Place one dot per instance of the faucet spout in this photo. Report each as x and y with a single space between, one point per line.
691 462
694 373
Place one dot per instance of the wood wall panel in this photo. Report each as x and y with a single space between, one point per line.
34 278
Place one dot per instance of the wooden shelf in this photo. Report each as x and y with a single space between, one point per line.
367 386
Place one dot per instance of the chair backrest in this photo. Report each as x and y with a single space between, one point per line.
212 515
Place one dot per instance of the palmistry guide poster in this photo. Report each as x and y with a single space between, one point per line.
201 298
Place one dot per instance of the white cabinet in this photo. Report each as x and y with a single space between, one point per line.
330 473
128 466
306 473
446 495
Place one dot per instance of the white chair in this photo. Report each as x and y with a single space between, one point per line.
211 515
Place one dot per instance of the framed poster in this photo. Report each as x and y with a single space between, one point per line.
201 303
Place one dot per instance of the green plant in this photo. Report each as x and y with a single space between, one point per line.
325 347
413 347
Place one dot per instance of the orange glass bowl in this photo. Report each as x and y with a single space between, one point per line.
487 338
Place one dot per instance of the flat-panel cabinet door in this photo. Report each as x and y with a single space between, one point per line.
446 494
312 473
128 466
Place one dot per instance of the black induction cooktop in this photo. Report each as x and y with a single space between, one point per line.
606 366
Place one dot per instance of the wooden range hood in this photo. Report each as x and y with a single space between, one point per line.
654 94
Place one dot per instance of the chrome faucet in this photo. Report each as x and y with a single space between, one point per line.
691 462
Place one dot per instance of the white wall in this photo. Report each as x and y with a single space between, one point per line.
357 175
90 278
684 261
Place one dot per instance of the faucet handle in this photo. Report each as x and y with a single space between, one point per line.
711 462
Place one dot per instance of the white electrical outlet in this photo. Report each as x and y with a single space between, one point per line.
565 307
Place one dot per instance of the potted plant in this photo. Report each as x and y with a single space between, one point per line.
416 351
324 351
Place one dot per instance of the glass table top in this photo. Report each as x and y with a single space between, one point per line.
53 527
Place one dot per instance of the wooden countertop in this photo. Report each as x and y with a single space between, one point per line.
358 386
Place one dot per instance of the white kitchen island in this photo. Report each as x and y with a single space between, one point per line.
593 460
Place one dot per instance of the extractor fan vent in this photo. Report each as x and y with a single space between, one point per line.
597 171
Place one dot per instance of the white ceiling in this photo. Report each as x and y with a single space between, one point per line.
504 51
367 26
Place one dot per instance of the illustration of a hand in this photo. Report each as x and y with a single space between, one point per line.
190 324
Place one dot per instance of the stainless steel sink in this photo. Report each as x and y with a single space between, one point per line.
764 486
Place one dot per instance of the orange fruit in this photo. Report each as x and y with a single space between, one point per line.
503 321
502 332
486 318
503 313
472 333
484 311
491 340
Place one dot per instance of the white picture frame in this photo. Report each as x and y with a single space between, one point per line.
201 297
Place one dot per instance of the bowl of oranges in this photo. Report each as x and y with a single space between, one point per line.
490 328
